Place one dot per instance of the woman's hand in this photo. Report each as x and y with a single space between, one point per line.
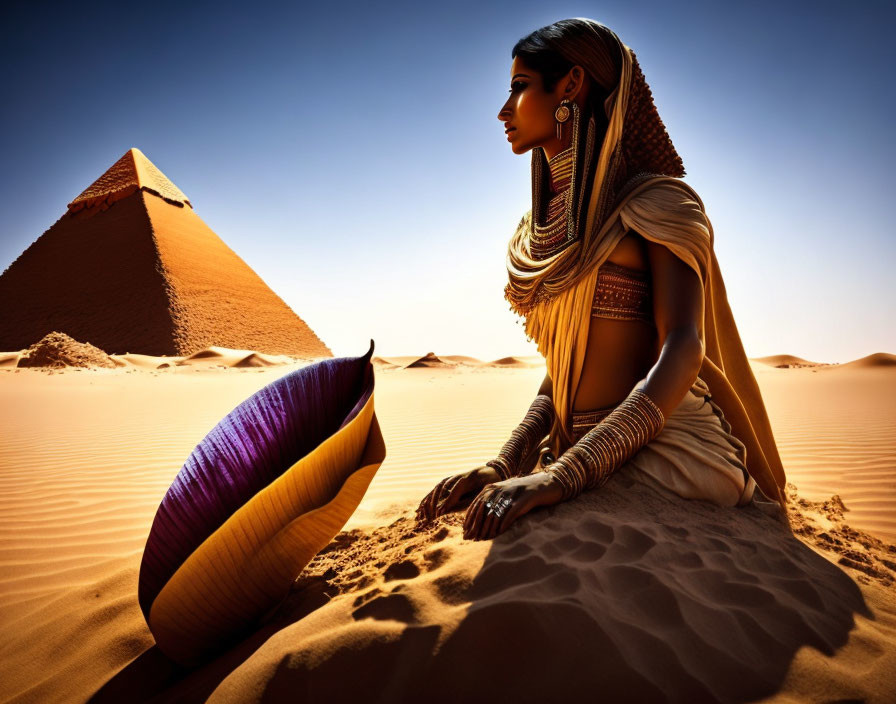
448 492
501 503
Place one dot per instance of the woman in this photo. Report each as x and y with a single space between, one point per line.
615 273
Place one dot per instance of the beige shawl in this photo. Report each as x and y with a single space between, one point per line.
667 211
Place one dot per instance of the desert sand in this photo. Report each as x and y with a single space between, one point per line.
626 592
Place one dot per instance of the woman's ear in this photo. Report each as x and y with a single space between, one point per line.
575 83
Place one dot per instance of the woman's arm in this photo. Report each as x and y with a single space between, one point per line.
678 312
678 302
518 452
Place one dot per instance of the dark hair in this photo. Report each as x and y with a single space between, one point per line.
645 145
537 51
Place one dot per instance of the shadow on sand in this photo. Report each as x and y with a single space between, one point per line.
619 592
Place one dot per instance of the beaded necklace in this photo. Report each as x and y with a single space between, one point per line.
552 235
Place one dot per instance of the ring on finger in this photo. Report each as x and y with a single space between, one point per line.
488 505
503 504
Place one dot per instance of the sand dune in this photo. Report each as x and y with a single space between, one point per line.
787 361
878 359
653 595
413 361
69 353
427 360
461 359
59 351
430 359
256 359
509 362
531 359
227 358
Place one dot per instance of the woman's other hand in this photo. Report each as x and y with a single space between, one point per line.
448 492
511 499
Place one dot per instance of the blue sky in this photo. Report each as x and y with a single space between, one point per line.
351 153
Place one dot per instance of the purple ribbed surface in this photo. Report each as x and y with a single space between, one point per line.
248 449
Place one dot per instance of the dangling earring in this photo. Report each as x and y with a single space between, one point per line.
569 108
547 239
561 114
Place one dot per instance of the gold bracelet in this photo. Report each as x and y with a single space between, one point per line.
525 437
608 445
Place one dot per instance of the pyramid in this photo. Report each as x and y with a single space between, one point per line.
130 267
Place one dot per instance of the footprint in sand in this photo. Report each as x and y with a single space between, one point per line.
588 551
533 573
362 599
439 535
595 530
676 531
436 557
720 545
452 589
406 569
391 607
689 560
516 550
631 544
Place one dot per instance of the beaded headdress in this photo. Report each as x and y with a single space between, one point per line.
635 147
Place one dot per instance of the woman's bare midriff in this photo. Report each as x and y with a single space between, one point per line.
619 352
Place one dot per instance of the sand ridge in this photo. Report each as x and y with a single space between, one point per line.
789 361
431 360
57 351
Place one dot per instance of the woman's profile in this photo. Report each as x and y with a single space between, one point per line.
615 273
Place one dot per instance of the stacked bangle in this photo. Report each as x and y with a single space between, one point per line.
608 445
525 437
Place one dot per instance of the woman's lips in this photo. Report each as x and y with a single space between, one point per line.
510 132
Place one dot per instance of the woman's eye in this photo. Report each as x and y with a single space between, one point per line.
515 84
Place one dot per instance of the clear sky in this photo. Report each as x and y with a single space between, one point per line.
352 156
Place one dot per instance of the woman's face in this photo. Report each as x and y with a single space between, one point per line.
528 114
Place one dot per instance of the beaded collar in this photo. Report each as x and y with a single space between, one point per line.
560 166
551 235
